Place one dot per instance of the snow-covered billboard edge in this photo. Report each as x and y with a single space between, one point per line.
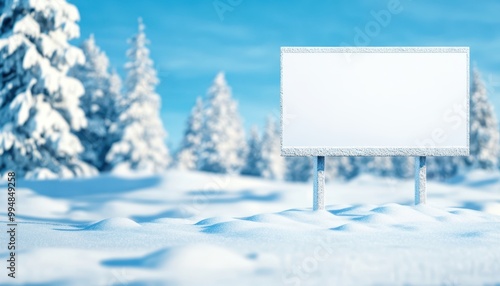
318 133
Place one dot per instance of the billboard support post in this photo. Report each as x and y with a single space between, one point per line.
420 180
319 183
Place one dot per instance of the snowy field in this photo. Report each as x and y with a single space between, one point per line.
190 228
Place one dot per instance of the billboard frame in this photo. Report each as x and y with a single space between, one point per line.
419 153
376 150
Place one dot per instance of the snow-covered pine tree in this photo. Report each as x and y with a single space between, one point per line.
187 156
484 135
442 168
115 89
298 169
102 93
141 145
223 141
272 164
380 166
39 103
342 168
253 158
404 167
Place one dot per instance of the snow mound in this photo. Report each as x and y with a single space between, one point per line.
213 220
353 218
353 210
432 211
270 218
392 209
353 227
116 223
188 258
376 218
472 215
195 257
170 220
235 226
402 213
314 218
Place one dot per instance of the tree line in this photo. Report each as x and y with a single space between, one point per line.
64 112
213 141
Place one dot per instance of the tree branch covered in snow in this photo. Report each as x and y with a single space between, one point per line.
100 104
39 103
188 155
141 145
223 147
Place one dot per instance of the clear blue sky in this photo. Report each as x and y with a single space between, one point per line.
191 42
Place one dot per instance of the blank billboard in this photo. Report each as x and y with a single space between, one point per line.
375 101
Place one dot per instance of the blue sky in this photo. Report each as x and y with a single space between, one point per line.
192 40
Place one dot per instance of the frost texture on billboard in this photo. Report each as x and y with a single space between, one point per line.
375 101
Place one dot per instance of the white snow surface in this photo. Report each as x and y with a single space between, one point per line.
194 228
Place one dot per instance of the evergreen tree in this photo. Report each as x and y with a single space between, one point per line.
187 156
298 169
39 103
223 139
349 167
272 164
442 168
338 168
102 93
484 135
381 166
404 167
253 158
141 143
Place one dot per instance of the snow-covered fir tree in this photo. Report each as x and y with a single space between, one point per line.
331 170
442 168
187 156
404 167
272 164
223 141
141 144
102 93
39 103
253 158
484 135
298 169
342 168
380 166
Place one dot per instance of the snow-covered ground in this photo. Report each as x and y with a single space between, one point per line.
190 228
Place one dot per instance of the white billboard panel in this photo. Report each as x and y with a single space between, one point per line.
375 101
